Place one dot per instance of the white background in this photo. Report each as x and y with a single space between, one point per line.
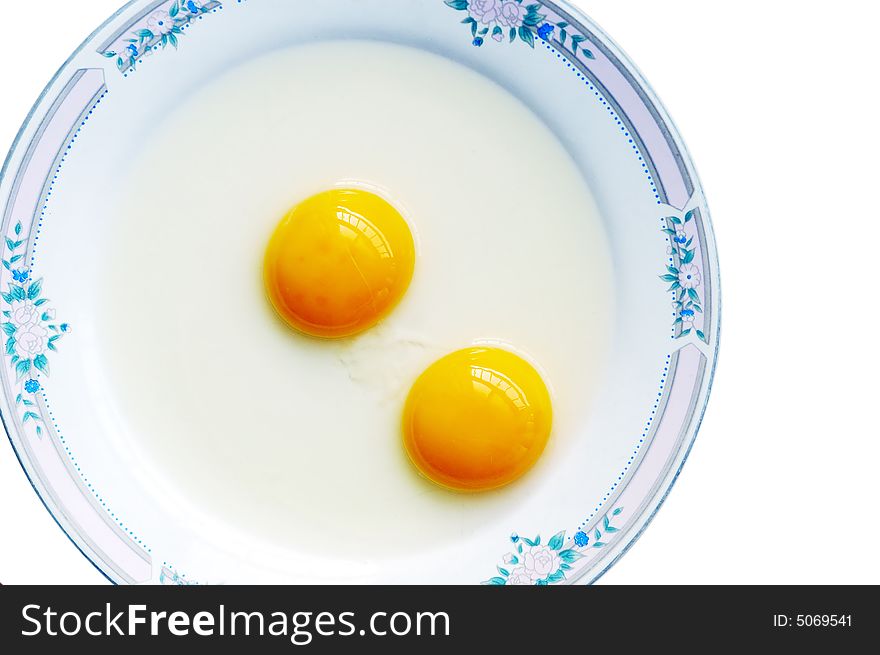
777 102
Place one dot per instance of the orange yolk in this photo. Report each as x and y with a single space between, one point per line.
477 420
339 263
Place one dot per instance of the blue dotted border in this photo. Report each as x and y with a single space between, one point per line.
647 171
37 231
650 423
55 174
85 480
614 115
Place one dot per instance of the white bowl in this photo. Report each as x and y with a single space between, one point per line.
574 519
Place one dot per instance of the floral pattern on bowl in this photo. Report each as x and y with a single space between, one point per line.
30 329
685 276
159 29
511 19
170 577
535 564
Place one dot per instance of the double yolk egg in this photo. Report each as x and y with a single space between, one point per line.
337 265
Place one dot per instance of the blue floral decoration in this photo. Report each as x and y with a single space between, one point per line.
162 28
517 20
538 564
169 576
30 330
684 274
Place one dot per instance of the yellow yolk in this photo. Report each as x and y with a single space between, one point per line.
339 263
477 420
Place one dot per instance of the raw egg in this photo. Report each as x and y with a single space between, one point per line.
477 420
339 263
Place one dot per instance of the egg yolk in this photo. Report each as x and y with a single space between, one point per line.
477 420
339 263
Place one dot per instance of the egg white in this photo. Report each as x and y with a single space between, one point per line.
297 441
